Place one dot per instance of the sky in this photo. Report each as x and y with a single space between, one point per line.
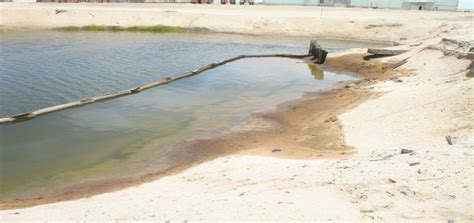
466 4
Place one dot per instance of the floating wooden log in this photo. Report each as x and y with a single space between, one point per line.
167 80
398 64
385 52
380 53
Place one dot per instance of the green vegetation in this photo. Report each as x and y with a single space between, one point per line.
153 29
69 28
95 28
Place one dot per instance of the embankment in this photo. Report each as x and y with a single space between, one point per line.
343 23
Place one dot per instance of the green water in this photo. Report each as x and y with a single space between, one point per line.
137 134
134 134
42 69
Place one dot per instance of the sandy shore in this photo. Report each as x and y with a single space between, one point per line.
358 173
343 23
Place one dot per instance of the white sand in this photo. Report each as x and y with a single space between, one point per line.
352 23
375 184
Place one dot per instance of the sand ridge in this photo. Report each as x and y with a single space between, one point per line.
383 25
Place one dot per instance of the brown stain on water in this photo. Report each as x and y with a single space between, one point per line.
306 128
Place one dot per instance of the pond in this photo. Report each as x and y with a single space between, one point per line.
135 134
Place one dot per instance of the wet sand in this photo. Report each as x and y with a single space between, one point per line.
307 128
334 151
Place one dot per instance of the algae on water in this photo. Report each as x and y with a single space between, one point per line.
154 28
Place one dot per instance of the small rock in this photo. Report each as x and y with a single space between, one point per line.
407 151
58 11
471 69
450 81
332 119
276 150
415 163
451 139
450 221
470 73
352 85
366 211
391 180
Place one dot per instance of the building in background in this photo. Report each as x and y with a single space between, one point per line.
377 3
124 1
299 2
73 1
20 1
451 5
445 5
342 3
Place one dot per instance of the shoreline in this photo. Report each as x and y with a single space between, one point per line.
197 31
240 139
414 106
254 20
135 90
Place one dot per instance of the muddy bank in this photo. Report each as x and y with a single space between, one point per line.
306 128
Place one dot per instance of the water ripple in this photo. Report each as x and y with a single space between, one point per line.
46 68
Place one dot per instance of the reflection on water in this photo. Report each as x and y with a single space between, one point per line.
133 134
316 71
130 135
42 69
